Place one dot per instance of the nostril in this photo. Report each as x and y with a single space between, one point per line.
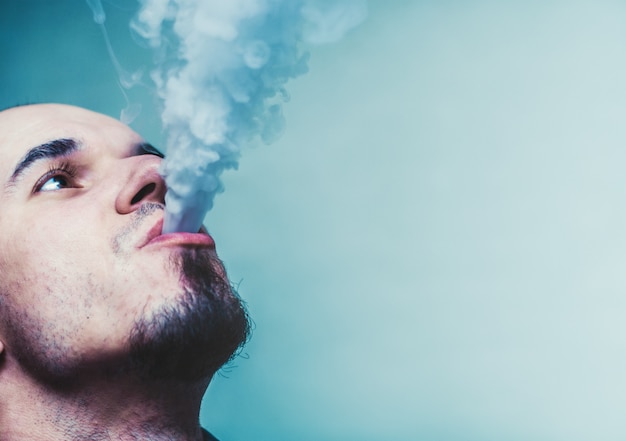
145 191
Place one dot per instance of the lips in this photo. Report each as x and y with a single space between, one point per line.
200 239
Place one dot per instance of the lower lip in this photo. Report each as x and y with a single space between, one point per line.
184 239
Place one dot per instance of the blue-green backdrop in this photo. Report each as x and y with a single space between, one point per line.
436 248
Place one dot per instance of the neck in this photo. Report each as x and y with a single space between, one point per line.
121 409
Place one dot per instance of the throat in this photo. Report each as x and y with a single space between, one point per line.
105 410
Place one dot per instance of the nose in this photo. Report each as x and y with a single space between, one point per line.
143 184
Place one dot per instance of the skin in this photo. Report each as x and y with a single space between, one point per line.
74 279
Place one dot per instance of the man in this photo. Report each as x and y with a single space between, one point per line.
108 329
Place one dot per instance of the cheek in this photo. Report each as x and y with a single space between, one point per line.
68 233
46 260
62 286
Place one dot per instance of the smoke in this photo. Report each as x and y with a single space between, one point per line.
98 11
126 79
220 73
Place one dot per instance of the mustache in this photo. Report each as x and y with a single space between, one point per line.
144 211
138 217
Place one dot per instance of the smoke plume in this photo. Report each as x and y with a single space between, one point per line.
220 73
126 79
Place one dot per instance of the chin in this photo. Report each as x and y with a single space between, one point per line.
190 337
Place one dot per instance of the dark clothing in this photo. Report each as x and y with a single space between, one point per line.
208 436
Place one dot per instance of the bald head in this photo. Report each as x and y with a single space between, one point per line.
26 126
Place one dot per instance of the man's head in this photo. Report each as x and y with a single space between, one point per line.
84 283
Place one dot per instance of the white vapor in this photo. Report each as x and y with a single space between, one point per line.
126 79
221 69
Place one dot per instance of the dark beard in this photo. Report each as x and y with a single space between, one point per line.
191 339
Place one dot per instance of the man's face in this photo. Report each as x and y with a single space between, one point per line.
80 199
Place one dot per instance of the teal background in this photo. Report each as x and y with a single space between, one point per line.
435 248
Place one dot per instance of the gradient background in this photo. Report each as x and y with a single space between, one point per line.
435 249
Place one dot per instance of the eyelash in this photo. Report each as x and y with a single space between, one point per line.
61 169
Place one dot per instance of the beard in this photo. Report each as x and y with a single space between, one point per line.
186 338
204 329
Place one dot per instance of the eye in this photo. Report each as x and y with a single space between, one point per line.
149 149
56 178
54 183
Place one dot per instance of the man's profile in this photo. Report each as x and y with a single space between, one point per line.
108 329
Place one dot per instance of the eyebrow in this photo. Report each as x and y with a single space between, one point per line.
64 147
50 150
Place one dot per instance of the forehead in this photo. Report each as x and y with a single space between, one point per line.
22 128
